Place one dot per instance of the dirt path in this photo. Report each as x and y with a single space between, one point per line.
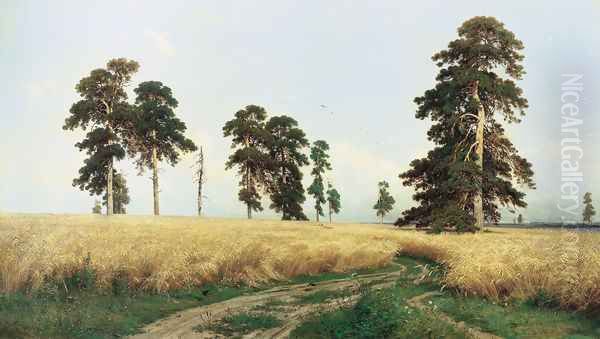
193 323
183 324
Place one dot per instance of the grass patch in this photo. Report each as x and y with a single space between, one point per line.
516 320
88 312
376 315
96 314
271 305
381 314
385 314
242 323
313 279
322 296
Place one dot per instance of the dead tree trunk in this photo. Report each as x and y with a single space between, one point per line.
200 177
479 140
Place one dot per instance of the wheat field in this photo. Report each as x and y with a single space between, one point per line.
160 254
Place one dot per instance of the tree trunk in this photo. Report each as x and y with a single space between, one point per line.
247 144
109 188
381 220
317 215
199 199
155 176
478 199
200 180
330 212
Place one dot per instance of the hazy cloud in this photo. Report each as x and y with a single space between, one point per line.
161 42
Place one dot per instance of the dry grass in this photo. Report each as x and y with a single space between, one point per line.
160 254
517 263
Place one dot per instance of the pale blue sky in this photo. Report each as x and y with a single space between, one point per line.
365 60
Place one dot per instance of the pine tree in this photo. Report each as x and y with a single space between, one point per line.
474 165
333 200
320 159
248 132
385 201
588 210
156 133
285 142
103 107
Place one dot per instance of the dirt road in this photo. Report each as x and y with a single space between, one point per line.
186 324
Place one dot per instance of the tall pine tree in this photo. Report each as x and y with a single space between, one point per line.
320 159
247 130
285 142
104 108
156 133
474 166
333 201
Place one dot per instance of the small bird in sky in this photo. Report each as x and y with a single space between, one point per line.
325 107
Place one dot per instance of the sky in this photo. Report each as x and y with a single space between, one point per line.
364 60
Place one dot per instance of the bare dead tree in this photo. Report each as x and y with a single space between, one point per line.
200 178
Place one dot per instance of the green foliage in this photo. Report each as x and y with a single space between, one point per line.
473 63
320 159
333 200
385 201
155 126
84 278
379 314
285 142
452 217
248 132
99 145
104 108
588 209
97 209
387 314
90 313
120 194
322 296
518 320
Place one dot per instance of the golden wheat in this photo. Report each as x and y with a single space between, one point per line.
165 253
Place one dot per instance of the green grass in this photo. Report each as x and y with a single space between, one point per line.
381 314
307 279
517 320
241 323
378 314
385 314
86 312
270 305
94 314
321 296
